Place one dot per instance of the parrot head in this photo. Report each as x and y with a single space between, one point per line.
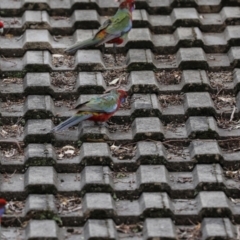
122 95
129 4
1 27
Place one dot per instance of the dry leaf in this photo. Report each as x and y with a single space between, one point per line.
114 81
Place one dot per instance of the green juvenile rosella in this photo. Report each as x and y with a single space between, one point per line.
114 30
97 109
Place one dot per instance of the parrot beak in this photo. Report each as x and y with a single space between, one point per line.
1 30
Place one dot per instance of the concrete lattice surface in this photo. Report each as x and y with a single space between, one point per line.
167 164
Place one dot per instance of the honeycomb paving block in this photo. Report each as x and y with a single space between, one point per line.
233 55
208 176
202 127
205 151
91 132
81 18
37 83
37 130
37 39
40 203
150 203
98 205
191 58
35 228
96 229
152 153
143 82
35 16
184 15
221 228
94 152
90 82
232 34
147 128
140 60
37 61
216 201
41 180
200 103
186 37
38 106
140 38
89 60
96 177
195 80
147 175
145 105
40 154
155 228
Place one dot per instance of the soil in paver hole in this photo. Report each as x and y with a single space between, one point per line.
230 145
63 60
11 131
169 77
225 123
170 100
165 58
131 229
113 127
67 151
224 102
11 153
65 103
64 81
12 81
115 77
123 151
189 233
220 79
68 204
172 126
110 62
9 104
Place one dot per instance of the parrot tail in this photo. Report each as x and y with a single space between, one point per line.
71 122
84 44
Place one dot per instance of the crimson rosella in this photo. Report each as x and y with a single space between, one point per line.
2 210
97 109
1 27
114 30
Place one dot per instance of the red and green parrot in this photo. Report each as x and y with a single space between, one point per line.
1 27
97 109
114 30
3 202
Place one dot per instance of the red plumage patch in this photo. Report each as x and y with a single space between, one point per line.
3 202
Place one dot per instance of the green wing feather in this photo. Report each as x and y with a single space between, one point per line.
106 103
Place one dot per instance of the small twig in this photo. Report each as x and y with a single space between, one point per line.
219 91
13 141
232 115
